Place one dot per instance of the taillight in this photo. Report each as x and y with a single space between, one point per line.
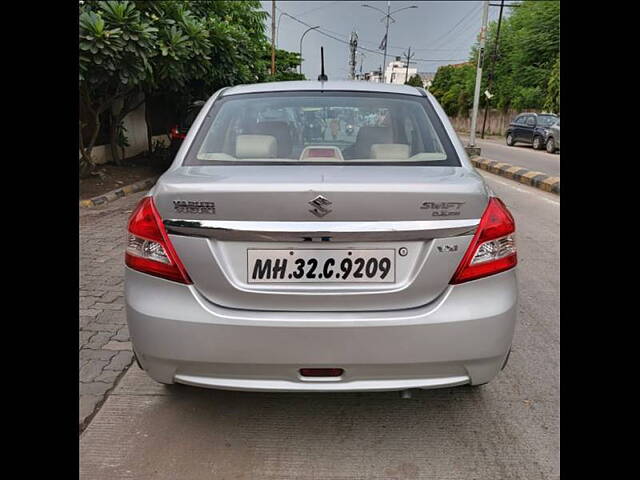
175 134
149 249
493 248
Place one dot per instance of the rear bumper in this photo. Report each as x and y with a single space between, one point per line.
462 337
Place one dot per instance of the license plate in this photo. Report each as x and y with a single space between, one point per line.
321 266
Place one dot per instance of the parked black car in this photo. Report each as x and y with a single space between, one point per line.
532 128
179 131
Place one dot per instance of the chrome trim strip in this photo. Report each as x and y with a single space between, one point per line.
321 231
299 386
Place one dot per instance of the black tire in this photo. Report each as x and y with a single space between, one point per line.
510 140
537 144
551 145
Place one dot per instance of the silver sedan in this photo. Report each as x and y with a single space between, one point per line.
276 255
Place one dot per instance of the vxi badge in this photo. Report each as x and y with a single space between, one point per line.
442 209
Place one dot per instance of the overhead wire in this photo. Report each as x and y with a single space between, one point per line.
323 31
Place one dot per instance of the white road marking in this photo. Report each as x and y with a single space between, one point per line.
515 187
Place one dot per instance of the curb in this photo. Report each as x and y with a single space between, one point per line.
532 178
120 192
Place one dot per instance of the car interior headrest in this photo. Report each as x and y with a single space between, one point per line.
282 133
390 151
368 136
256 146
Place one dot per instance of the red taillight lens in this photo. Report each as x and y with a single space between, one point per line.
149 249
175 134
493 248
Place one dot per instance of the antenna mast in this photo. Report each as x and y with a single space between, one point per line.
322 77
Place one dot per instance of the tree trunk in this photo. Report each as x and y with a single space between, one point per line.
113 139
87 163
147 121
128 106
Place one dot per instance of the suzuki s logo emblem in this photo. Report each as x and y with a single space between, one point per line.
320 206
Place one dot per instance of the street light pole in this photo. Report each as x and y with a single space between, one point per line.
386 42
476 94
273 37
301 38
387 17
278 27
493 67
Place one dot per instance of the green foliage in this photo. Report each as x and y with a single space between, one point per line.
453 87
115 45
287 64
552 102
188 49
529 46
528 49
415 81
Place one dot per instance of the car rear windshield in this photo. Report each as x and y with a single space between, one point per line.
320 128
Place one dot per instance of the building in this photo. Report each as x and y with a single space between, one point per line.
374 76
397 72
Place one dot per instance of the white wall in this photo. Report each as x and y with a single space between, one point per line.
136 134
400 71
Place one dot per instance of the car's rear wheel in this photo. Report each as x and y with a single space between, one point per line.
510 140
551 145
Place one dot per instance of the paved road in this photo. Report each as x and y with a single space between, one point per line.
520 154
105 349
508 429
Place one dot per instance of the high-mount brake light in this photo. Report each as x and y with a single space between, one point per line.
493 248
149 249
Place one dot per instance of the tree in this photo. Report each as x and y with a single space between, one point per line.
415 81
529 46
287 64
552 102
132 50
453 87
115 47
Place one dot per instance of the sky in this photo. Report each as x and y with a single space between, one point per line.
439 32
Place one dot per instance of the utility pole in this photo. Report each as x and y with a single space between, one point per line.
493 66
386 42
273 37
362 55
408 56
353 45
471 148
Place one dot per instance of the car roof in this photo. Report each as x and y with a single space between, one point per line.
311 85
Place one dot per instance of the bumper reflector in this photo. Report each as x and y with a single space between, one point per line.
321 372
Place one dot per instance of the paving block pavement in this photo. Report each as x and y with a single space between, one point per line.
104 343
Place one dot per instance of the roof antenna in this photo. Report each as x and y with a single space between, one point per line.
322 77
